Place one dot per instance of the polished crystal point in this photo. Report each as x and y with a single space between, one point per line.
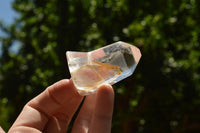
108 64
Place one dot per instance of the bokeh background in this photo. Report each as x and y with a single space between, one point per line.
163 94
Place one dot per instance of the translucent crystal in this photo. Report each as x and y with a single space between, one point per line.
108 64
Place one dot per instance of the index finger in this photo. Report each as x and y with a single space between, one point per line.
36 113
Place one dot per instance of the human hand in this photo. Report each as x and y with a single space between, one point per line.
53 109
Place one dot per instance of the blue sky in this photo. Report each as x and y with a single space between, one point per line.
7 15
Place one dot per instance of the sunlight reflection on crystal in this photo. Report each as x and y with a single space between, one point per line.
109 64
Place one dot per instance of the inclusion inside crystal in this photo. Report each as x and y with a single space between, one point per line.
108 64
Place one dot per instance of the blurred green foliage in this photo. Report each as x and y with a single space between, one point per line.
163 95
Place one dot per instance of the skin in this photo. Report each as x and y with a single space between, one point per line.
53 109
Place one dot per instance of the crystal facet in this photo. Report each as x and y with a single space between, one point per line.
108 64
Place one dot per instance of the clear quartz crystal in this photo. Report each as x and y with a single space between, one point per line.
108 64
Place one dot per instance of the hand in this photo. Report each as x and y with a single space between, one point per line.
53 109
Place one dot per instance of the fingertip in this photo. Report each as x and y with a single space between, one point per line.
63 89
105 98
71 83
61 84
102 116
105 89
106 86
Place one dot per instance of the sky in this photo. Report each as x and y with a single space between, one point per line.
7 15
